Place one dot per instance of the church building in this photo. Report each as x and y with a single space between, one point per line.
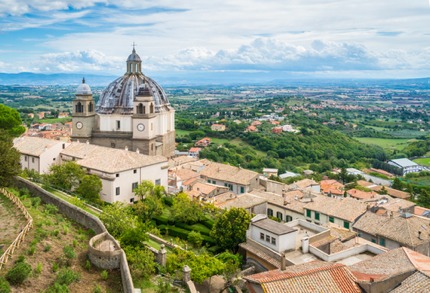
133 112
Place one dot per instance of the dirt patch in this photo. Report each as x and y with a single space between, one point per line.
43 249
11 223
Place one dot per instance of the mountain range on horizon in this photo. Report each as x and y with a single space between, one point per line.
201 79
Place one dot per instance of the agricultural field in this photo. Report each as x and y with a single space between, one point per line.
56 251
421 181
386 143
423 161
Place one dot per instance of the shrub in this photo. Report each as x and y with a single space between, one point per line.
47 248
104 274
97 289
18 273
67 277
87 265
4 286
195 238
35 201
69 252
51 209
55 267
38 268
57 288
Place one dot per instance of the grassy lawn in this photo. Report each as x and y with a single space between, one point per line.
423 161
422 181
386 143
56 120
180 132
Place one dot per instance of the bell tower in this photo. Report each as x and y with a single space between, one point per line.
83 113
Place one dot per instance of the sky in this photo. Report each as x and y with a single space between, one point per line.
280 38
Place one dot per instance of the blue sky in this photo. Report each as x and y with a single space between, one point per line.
312 38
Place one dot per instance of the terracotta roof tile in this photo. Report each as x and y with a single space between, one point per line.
229 173
417 282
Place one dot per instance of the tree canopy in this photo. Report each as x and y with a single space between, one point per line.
10 121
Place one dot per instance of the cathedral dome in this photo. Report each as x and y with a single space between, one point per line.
119 95
83 89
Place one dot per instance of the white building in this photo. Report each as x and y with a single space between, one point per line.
120 170
406 165
38 154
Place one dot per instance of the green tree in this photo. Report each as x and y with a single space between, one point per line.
229 229
134 236
66 176
9 160
141 261
186 210
118 218
10 121
150 204
90 188
195 238
397 184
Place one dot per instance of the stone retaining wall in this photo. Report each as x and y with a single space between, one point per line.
85 219
105 259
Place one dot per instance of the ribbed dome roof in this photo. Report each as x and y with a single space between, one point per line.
83 89
118 97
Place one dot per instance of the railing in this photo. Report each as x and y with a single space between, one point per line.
18 240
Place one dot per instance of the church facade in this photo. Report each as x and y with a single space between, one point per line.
132 113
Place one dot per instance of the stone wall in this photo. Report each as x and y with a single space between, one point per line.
105 259
85 219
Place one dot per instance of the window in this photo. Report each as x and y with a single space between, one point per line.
32 160
382 241
158 182
242 189
373 240
262 236
134 171
267 238
79 108
308 213
118 125
64 146
331 219
25 158
117 175
279 215
209 181
317 216
134 186
90 107
273 241
117 191
288 218
270 212
140 108
131 200
346 224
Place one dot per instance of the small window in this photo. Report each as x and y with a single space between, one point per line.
131 200
373 240
242 189
213 182
270 212
53 159
279 215
267 238
117 191
64 146
134 171
308 213
288 218
273 241
346 224
331 219
25 158
32 160
134 186
317 216
118 125
382 242
158 182
262 236
117 175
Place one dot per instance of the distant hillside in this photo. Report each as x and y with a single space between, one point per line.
28 78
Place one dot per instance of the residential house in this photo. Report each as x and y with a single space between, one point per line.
218 127
316 276
204 142
332 188
251 203
339 211
177 177
120 171
270 172
38 154
277 130
251 128
236 179
395 230
205 191
194 152
399 270
406 166
362 195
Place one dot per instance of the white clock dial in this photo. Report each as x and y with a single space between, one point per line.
79 125
140 127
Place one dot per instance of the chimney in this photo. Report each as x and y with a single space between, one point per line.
126 148
305 244
283 262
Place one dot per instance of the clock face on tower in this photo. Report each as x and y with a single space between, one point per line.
79 125
140 127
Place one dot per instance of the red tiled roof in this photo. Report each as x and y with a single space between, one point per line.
320 277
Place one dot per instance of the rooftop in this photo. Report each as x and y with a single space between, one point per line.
316 276
229 173
348 209
272 226
246 200
404 162
34 146
94 157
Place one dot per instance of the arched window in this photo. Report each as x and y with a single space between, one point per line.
151 109
79 108
90 107
140 109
